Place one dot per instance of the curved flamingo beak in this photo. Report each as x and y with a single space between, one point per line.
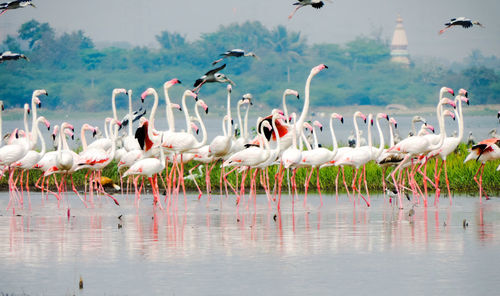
47 124
144 95
28 111
94 132
451 91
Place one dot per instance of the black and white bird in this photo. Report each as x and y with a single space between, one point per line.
10 56
14 5
235 53
136 115
211 76
460 21
301 3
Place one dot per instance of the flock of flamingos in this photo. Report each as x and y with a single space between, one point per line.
162 154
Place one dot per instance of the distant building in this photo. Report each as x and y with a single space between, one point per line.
399 44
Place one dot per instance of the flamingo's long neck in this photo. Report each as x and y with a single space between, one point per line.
152 115
168 108
25 120
203 129
82 137
382 140
285 110
275 130
370 142
334 139
460 119
246 122
42 141
130 130
391 135
113 105
305 108
186 113
442 130
34 137
294 131
229 129
358 137
238 113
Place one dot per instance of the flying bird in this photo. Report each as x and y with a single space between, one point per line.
135 116
211 76
10 56
460 21
14 5
314 3
235 53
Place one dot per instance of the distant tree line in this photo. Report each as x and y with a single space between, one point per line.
80 76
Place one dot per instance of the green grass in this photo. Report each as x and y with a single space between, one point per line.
460 176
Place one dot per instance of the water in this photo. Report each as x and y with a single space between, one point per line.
213 249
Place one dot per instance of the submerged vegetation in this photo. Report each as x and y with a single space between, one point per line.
80 76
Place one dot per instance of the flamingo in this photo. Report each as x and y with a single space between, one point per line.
414 146
283 131
221 145
237 53
451 143
150 168
249 157
32 157
414 120
97 158
345 150
211 76
486 150
460 21
11 56
239 143
318 157
301 3
288 92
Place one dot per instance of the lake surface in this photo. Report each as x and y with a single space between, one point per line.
215 249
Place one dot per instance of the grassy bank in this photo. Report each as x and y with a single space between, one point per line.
460 176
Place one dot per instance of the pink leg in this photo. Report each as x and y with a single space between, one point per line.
306 185
319 187
447 182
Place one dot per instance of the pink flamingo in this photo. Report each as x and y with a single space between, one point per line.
318 157
415 146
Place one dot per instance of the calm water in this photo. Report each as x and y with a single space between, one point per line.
213 249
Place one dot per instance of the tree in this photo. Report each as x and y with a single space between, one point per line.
34 31
12 44
169 40
289 45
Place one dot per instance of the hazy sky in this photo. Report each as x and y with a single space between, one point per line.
338 21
